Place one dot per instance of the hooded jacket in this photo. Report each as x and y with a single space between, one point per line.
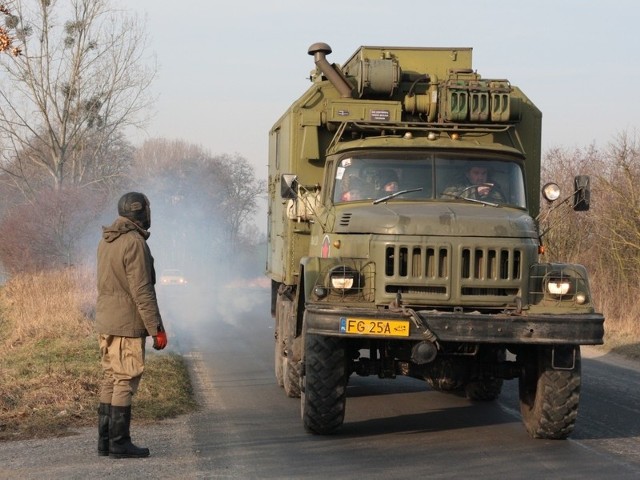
127 305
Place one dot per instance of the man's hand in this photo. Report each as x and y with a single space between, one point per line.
160 340
484 189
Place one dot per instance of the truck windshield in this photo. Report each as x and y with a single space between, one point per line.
440 177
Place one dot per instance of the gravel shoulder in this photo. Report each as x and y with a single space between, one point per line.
75 457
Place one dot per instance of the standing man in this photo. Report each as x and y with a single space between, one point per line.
126 313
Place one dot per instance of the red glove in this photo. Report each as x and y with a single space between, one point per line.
160 340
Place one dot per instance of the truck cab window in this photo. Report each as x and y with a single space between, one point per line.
439 178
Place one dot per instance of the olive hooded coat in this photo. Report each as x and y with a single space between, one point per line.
127 305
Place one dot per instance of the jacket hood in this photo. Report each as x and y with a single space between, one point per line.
121 226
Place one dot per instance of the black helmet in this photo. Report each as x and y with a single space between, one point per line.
135 206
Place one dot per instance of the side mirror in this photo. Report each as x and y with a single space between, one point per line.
582 195
288 185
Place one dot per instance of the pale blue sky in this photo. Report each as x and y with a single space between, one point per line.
228 70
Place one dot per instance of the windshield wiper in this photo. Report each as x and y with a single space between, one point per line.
459 196
395 194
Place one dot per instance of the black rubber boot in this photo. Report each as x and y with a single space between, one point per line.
103 429
120 445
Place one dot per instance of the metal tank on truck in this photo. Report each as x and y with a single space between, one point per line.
404 239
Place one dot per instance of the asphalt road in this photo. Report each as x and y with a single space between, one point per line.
394 429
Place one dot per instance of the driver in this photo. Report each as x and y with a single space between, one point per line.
476 185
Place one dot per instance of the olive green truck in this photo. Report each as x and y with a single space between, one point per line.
404 239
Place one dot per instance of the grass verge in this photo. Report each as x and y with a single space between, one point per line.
50 367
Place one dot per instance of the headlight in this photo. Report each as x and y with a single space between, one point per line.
551 192
344 279
342 283
559 285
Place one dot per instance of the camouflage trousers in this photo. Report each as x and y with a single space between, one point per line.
122 361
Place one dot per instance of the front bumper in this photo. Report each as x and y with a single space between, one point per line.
501 328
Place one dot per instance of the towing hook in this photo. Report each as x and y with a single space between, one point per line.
396 304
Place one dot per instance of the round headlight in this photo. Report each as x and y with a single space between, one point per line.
344 279
551 192
558 288
559 285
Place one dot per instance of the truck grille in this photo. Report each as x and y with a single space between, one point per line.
435 272
417 262
491 264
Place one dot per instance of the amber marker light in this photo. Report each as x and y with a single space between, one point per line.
336 243
455 136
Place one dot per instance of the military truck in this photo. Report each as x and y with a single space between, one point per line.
404 238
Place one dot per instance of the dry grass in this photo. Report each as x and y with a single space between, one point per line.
621 311
42 305
49 360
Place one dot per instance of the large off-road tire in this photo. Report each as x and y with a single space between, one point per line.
486 388
446 385
549 398
291 378
278 357
446 376
287 371
324 384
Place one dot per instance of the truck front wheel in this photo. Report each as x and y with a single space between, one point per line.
324 384
549 397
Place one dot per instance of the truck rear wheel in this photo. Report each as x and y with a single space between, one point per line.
278 357
486 387
549 398
287 372
324 384
485 390
291 378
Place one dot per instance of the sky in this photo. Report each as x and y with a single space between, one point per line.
228 70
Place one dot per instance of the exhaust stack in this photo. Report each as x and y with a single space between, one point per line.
320 51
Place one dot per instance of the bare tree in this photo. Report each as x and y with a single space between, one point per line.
78 78
619 217
241 190
202 203
569 236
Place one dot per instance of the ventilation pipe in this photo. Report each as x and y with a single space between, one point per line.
319 52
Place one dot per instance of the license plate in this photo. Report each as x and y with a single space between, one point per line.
366 326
